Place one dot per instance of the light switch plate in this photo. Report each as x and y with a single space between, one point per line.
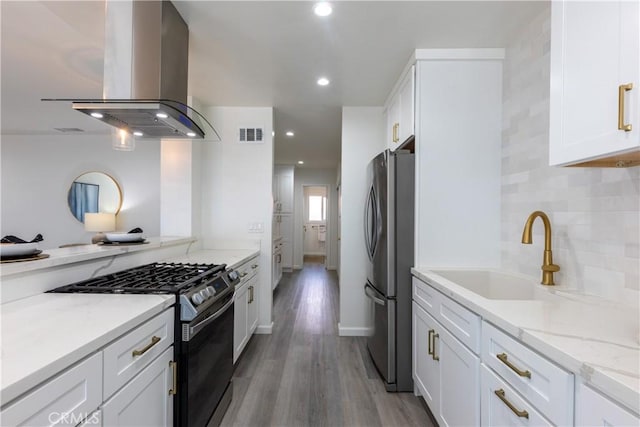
256 227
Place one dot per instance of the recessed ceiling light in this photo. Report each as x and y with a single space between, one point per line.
300 162
97 115
323 81
137 133
289 133
162 115
191 134
322 9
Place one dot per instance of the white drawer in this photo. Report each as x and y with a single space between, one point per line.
425 296
548 387
594 409
459 321
65 400
127 356
503 406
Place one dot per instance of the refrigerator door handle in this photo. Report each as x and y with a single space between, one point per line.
375 227
367 241
371 293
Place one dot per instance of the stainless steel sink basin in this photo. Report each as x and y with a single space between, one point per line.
493 284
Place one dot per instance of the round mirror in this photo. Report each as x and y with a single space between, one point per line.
94 192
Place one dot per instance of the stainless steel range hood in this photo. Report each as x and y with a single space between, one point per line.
145 73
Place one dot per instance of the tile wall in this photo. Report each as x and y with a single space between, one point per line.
595 213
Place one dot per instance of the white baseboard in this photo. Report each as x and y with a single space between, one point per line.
332 267
297 267
345 331
315 253
264 329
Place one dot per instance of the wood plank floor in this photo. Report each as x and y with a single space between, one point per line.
304 374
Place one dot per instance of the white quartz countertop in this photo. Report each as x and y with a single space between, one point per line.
74 254
46 333
232 257
597 339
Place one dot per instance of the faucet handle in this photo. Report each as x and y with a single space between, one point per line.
551 267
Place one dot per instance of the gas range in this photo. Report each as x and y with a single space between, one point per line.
196 286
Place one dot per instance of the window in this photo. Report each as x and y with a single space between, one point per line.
317 208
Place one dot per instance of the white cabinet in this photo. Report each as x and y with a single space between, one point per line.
593 409
147 399
137 369
502 406
592 116
401 111
65 400
283 189
545 385
245 316
276 268
445 372
286 227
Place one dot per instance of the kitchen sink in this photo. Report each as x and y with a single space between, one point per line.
493 284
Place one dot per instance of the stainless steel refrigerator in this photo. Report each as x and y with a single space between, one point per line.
389 232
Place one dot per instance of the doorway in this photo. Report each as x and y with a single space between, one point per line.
315 220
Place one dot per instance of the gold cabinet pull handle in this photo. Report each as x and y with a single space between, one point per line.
621 91
435 336
154 340
503 358
250 294
521 414
174 367
430 350
395 132
254 266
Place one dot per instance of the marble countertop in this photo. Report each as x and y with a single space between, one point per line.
232 257
44 334
62 256
596 339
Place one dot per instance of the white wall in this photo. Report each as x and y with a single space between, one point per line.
237 189
326 177
362 139
594 212
180 198
37 171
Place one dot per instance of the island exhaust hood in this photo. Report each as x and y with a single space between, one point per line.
145 73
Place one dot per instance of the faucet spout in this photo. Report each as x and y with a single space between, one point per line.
548 267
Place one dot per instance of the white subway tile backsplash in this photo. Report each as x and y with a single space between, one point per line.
595 213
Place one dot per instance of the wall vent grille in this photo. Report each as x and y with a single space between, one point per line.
69 130
250 135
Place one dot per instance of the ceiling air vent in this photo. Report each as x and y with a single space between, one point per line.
250 135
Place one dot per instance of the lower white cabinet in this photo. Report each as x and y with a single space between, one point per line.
141 396
503 406
245 316
147 400
593 409
447 373
65 400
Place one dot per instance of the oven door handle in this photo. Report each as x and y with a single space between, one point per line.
193 330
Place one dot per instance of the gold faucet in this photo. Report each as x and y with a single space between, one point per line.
548 267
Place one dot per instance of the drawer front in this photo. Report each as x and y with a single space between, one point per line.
462 323
127 356
548 387
67 399
425 296
593 409
507 407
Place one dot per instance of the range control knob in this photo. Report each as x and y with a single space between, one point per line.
211 291
205 294
233 275
197 299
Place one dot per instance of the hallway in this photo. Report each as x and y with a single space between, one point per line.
305 375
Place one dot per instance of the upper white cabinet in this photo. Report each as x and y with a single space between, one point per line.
401 110
595 80
283 190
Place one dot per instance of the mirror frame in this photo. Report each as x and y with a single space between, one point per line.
119 188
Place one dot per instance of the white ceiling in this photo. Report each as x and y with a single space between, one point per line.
261 53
